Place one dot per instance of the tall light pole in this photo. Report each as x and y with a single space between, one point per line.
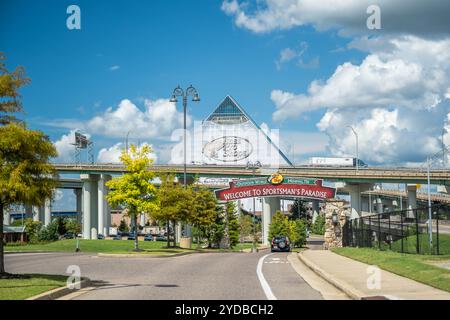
430 226
357 156
253 166
126 141
178 92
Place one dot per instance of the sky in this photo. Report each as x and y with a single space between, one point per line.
308 68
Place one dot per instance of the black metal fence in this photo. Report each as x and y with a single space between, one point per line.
404 231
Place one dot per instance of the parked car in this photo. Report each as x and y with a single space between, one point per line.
69 235
161 237
117 237
100 237
131 236
280 243
148 237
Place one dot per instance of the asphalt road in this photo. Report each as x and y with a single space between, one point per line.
220 276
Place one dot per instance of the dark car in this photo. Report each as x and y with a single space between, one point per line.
148 237
100 237
131 236
117 237
69 235
280 243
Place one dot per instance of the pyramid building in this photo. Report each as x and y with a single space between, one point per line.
229 136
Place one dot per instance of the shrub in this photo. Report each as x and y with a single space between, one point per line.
49 232
280 226
73 226
32 229
298 232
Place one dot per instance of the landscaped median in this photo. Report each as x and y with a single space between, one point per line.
421 268
110 247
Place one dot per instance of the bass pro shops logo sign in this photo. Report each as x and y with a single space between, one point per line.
275 179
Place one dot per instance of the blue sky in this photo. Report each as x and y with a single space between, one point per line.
310 69
155 45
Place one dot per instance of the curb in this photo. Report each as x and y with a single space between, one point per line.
60 292
350 291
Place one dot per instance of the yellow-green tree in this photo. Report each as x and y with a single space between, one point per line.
26 176
10 82
175 203
135 190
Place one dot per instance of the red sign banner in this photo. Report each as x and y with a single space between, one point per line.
310 191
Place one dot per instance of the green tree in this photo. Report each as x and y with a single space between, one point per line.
174 204
26 175
10 83
203 211
318 227
123 227
61 224
298 209
245 226
298 232
49 232
279 226
134 190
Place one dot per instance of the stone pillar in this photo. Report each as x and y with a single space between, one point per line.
412 200
269 207
79 204
334 233
90 206
379 205
47 211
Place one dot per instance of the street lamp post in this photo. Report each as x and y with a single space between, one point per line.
430 226
126 141
178 92
253 166
357 156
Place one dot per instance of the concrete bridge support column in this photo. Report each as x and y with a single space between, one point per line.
47 211
79 203
6 216
90 205
315 210
104 212
412 200
355 200
270 206
37 215
379 205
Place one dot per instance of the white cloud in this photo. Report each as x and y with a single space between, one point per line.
158 120
112 154
397 100
114 68
349 17
289 54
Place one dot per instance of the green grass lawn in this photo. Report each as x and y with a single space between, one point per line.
19 289
410 244
108 246
416 267
95 246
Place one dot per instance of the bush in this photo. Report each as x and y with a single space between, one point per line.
73 226
32 229
49 233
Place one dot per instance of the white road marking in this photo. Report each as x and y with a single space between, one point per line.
265 286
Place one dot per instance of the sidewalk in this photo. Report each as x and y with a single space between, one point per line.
351 277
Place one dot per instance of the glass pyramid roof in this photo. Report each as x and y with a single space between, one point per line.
228 112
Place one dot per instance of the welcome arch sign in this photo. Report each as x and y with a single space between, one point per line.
276 185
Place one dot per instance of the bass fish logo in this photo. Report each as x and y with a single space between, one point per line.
275 179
